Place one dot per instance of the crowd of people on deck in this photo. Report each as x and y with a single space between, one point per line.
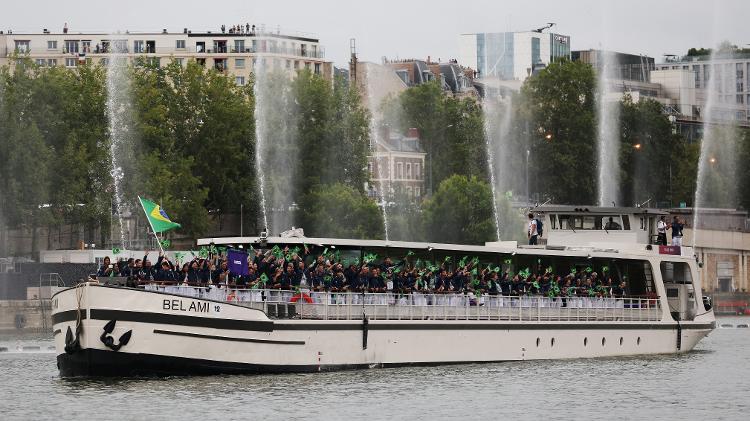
299 268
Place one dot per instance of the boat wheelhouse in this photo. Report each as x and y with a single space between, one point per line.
648 301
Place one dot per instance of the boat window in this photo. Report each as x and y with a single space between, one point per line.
626 222
588 222
611 223
676 272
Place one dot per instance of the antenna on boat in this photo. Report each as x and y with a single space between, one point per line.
641 205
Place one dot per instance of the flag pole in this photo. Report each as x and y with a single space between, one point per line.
151 225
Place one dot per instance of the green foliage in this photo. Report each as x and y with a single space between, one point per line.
719 178
743 158
558 102
196 129
460 212
451 130
340 211
653 160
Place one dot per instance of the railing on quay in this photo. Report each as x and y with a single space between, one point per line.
418 306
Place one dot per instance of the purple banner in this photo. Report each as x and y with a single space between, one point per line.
237 262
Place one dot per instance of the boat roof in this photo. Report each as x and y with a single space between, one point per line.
597 210
510 247
320 241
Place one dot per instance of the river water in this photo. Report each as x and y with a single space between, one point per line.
711 382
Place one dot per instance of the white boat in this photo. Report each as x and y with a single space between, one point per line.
109 330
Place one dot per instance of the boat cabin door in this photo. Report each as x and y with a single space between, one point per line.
680 298
678 285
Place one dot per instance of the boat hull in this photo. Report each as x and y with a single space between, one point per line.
175 335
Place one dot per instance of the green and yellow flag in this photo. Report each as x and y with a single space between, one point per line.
158 219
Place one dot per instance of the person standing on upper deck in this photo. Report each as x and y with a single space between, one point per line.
532 232
676 227
661 231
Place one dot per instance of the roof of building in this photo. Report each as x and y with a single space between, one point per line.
403 144
597 210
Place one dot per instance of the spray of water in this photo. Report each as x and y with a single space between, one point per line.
260 141
374 84
277 144
608 133
493 143
717 165
118 109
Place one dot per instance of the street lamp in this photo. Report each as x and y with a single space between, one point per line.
528 153
548 136
712 160
637 146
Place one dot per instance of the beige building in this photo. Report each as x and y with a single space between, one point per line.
397 166
234 51
722 245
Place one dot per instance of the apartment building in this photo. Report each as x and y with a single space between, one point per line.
235 51
732 84
512 55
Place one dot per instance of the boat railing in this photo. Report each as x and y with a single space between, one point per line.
304 304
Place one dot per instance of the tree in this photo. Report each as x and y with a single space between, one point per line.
460 212
652 158
168 176
451 130
340 211
558 103
743 188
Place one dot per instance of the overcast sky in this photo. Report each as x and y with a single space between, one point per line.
410 28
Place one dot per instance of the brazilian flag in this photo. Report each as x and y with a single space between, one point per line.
158 219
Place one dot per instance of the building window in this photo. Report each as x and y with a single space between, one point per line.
52 45
417 192
51 62
179 44
239 63
317 68
417 175
307 65
240 80
400 170
408 170
71 62
23 46
86 46
296 64
239 46
740 99
200 47
41 62
180 61
71 47
408 192
289 64
220 64
139 46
